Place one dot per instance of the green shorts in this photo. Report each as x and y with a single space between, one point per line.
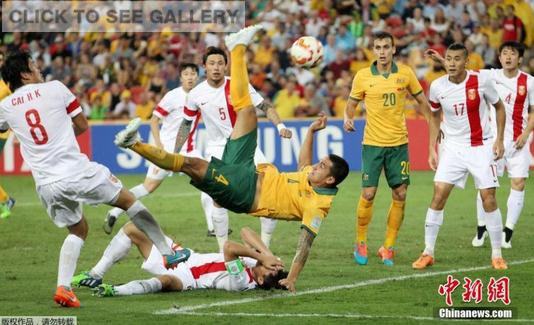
2 143
394 161
231 182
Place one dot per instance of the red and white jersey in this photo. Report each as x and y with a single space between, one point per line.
517 94
170 110
41 117
217 111
465 112
209 272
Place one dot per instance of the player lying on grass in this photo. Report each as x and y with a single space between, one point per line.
46 117
239 267
236 184
468 147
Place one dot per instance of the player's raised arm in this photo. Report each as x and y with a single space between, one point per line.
253 240
183 134
233 251
306 151
273 116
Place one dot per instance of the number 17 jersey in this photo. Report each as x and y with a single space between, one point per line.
41 115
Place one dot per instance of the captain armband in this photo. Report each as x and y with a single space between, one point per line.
234 267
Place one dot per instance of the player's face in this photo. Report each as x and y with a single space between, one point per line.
384 50
455 61
263 272
215 67
188 78
509 58
320 174
34 76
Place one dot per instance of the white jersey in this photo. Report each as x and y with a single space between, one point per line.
41 117
465 112
171 112
217 111
517 95
209 272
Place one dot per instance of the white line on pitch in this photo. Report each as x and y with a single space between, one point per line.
171 195
180 310
315 315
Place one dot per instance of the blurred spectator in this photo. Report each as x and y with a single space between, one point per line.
98 110
488 54
440 24
466 23
340 64
359 62
417 21
454 10
430 9
125 109
145 107
329 50
338 107
312 103
344 39
495 33
287 100
475 61
512 26
264 54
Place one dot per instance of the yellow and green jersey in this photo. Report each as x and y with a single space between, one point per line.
384 96
289 196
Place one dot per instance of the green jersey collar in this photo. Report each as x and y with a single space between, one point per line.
375 72
325 190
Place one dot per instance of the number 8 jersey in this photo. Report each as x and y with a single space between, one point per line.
465 112
41 115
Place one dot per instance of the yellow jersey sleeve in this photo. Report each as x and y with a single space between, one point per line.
312 219
413 83
357 91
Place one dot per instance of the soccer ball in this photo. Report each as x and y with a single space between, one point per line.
306 52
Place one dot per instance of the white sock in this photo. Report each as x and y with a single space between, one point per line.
138 287
68 257
434 219
207 206
220 225
480 211
267 229
515 205
117 249
494 227
145 222
138 191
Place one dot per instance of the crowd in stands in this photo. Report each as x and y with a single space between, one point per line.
122 75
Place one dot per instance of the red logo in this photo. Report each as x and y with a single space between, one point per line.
499 290
473 290
448 288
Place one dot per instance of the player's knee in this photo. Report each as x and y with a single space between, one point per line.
368 195
399 193
169 283
129 229
518 184
80 229
438 201
489 202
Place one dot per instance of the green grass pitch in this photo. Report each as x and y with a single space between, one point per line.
30 243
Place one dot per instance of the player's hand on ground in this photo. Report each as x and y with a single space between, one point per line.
286 133
498 149
289 284
521 141
433 159
319 123
272 262
348 124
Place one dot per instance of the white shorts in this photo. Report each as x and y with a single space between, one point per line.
218 150
517 162
63 199
154 265
456 162
154 172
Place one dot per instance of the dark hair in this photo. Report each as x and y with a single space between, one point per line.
519 47
339 169
212 50
184 66
383 35
458 47
14 65
271 281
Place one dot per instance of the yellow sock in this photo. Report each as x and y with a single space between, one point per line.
395 217
3 195
239 93
159 157
363 218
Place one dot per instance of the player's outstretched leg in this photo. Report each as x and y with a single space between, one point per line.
237 43
493 219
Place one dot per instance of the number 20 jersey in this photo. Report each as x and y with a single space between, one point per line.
41 115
